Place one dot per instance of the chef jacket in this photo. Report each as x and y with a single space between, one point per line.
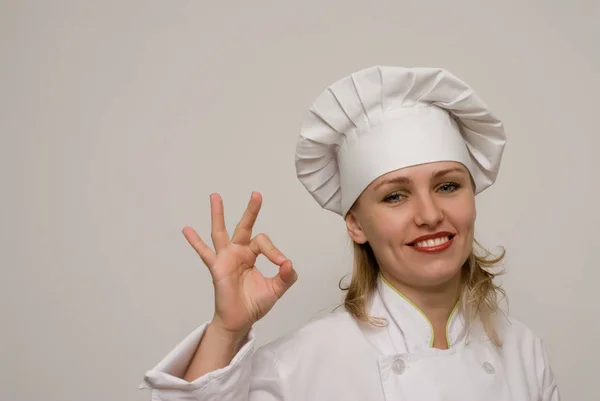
336 358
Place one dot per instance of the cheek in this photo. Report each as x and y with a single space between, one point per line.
465 217
374 229
390 225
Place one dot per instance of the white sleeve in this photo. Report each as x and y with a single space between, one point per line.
251 376
230 383
548 386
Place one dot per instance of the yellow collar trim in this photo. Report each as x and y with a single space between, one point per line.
423 314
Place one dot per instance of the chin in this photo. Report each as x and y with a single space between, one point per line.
439 273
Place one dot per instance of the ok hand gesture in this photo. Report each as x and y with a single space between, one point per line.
242 294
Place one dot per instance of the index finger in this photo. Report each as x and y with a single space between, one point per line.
243 231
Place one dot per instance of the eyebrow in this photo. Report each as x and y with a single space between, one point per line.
406 180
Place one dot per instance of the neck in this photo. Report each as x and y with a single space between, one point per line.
436 303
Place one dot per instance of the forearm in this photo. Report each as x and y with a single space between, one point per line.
216 350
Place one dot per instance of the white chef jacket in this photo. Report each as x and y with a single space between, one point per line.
335 358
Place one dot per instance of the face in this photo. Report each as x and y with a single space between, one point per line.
419 221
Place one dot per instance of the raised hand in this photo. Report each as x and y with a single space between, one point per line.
242 294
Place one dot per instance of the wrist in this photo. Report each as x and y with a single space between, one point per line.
231 338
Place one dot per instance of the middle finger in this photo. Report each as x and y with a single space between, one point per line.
243 231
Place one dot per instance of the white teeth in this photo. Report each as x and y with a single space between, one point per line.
432 242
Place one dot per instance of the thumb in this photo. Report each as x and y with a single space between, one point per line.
286 277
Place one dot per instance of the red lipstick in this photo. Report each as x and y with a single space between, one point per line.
435 247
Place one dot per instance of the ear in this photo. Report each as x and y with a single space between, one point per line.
354 228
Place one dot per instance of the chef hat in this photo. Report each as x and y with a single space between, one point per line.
382 119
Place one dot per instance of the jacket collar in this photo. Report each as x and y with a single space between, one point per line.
414 327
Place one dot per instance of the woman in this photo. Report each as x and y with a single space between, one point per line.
400 154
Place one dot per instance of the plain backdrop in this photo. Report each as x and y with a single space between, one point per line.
119 118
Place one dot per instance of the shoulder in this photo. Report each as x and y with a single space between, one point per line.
522 346
519 339
324 332
512 330
324 337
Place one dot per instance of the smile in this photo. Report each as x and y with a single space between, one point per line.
437 244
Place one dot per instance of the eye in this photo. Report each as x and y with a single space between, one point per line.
449 187
394 197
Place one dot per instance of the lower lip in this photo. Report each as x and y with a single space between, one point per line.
436 248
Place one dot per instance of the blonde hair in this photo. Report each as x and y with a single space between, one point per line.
479 300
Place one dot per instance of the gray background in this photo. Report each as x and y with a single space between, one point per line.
119 118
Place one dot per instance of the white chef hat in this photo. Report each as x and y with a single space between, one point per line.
382 119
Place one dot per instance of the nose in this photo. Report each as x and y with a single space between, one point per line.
427 211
